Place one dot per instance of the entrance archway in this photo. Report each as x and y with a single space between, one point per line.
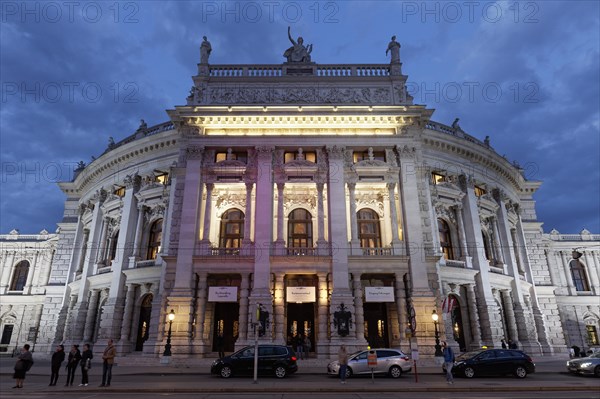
300 322
144 322
376 324
226 325
458 331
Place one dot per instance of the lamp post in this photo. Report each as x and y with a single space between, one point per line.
438 348
167 351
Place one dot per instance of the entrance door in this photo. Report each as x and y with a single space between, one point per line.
301 322
457 326
376 324
144 322
226 324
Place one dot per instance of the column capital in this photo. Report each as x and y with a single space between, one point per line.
320 186
209 186
351 185
194 152
280 186
133 181
336 152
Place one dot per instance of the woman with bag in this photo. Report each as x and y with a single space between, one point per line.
73 362
86 364
24 363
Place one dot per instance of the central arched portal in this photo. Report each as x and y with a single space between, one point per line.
144 322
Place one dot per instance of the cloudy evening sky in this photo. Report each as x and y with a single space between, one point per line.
525 73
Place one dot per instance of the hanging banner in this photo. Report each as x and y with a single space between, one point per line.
379 294
222 294
301 294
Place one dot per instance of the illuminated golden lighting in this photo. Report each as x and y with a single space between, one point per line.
265 109
229 109
300 108
434 316
172 315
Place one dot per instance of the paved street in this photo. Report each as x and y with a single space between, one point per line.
194 381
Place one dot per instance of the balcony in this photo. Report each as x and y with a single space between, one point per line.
456 263
145 263
384 251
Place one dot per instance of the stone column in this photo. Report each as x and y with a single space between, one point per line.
69 319
393 214
496 241
102 245
517 251
279 309
92 310
139 227
358 306
462 237
200 315
511 324
125 341
248 216
323 312
243 323
207 213
473 317
354 242
7 272
321 243
400 295
280 242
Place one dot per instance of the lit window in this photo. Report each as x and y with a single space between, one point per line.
120 191
232 156
310 156
364 156
300 229
161 178
579 275
369 232
437 178
155 239
479 191
445 240
592 334
232 229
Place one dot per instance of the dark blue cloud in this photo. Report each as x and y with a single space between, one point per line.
142 58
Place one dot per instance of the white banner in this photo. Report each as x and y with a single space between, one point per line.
222 294
379 294
301 294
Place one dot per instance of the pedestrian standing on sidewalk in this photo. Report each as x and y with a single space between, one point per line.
448 362
108 359
86 364
307 346
24 363
221 346
300 346
343 361
57 358
72 363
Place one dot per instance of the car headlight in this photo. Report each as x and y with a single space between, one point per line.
586 364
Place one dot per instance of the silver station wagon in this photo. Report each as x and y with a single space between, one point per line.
392 362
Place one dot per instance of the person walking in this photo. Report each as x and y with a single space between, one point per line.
343 361
307 346
86 364
24 363
448 362
300 346
72 363
108 359
57 358
221 346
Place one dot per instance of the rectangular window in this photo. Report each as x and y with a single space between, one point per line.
309 156
234 156
364 156
592 334
479 191
162 178
437 178
120 191
7 334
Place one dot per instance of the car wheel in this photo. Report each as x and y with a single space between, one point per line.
469 372
226 372
520 372
280 372
597 371
395 372
348 372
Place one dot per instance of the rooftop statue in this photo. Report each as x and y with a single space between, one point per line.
298 52
394 47
205 49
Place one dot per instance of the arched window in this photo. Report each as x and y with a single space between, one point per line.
369 232
19 276
445 240
232 229
579 276
112 253
486 246
300 229
155 239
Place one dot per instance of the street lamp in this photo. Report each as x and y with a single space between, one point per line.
167 351
438 348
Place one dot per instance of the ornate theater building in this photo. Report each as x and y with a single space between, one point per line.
320 193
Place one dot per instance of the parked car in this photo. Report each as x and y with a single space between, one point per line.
389 361
277 360
493 362
585 365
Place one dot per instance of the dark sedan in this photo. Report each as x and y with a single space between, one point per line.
493 362
277 360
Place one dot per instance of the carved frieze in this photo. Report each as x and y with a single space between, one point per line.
295 95
299 200
226 201
371 200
